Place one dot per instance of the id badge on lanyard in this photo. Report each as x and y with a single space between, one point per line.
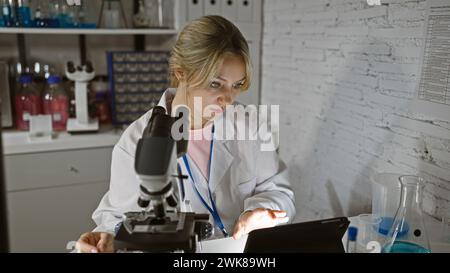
212 209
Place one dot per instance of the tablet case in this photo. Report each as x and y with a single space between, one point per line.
323 236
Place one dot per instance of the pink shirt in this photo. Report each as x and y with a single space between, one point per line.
199 148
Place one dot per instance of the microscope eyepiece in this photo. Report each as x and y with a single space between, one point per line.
160 124
89 67
70 67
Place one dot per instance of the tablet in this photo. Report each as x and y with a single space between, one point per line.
323 236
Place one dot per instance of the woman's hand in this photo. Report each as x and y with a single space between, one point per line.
95 242
258 218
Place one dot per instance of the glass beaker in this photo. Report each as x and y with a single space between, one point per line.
386 190
368 226
111 16
408 233
154 13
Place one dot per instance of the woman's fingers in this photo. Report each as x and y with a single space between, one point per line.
86 244
83 247
279 216
279 213
95 242
259 218
106 245
281 220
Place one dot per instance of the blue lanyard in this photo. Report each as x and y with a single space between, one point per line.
212 210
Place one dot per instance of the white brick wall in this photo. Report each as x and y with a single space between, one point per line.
344 74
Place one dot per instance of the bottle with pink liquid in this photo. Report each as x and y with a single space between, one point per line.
27 102
56 103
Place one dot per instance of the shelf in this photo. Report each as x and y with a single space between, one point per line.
82 31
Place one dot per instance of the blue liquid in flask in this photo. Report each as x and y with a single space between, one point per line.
406 247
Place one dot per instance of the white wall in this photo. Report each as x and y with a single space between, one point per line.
344 75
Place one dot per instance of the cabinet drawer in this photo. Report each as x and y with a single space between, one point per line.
45 220
38 170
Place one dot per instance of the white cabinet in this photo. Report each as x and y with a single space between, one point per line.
248 11
245 11
45 220
59 168
195 9
230 9
52 192
213 7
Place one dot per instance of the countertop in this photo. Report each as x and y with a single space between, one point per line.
17 142
229 245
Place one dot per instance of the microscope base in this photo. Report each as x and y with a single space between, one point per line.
150 234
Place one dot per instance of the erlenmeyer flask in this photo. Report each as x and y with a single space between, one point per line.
408 233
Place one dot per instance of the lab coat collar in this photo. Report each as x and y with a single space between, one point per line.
222 156
167 98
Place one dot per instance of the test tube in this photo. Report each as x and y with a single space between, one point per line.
352 234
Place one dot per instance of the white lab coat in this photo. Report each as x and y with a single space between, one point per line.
242 178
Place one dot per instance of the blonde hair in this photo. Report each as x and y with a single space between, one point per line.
200 48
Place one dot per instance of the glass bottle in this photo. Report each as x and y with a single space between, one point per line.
140 19
23 13
112 14
155 13
39 18
54 12
408 233
27 102
64 17
56 103
102 103
7 15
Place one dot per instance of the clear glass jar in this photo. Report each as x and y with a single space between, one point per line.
27 102
56 103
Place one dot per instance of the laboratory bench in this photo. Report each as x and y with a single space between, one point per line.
433 228
229 245
53 187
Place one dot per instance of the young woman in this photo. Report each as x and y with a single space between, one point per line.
210 61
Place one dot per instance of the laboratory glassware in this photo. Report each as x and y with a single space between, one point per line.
408 233
27 102
56 103
368 226
386 190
